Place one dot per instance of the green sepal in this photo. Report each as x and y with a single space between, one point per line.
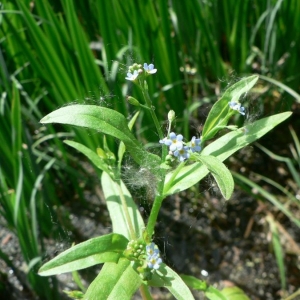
106 248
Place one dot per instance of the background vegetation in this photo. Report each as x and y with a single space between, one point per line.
53 53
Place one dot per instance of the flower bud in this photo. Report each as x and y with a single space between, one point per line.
133 101
171 115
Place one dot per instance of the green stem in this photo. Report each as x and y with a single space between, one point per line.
153 115
153 217
293 296
144 290
126 212
175 173
159 198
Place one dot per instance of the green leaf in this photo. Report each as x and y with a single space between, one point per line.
194 282
231 293
234 293
107 121
172 281
220 172
92 156
220 113
111 192
223 148
107 248
115 281
214 294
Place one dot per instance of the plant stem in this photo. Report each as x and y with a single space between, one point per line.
144 290
153 115
153 217
293 296
175 173
126 212
159 198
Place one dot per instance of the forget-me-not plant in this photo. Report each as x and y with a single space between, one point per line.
131 258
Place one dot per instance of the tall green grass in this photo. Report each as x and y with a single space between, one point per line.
53 53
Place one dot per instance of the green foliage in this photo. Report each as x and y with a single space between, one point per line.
48 58
138 262
221 174
218 116
106 248
112 192
115 281
229 293
104 120
222 148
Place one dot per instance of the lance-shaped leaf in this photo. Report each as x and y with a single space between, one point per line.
219 171
222 148
219 114
107 121
111 191
166 277
107 248
230 293
115 281
93 157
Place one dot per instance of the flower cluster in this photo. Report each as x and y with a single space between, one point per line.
153 257
178 148
136 69
147 256
237 106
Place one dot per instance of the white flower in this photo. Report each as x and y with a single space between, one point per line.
149 68
132 76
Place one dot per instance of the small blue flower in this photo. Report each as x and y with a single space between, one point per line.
153 257
132 76
237 106
154 261
195 144
149 68
182 154
174 141
152 249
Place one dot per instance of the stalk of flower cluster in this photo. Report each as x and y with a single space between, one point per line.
158 201
159 198
149 104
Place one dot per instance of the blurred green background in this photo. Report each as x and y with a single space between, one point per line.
55 53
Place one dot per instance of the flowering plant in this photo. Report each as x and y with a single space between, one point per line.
131 260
